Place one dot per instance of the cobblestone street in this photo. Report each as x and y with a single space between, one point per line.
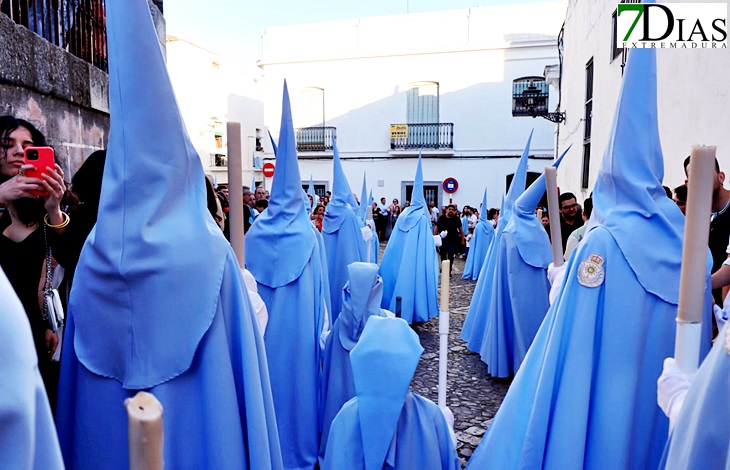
472 395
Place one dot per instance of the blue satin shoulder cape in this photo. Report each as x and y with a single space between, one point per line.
701 436
219 413
297 313
585 395
483 236
27 434
410 268
421 441
516 308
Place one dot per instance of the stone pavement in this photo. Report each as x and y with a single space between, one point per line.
472 395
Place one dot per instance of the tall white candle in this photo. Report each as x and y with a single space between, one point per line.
144 421
235 183
694 258
556 239
369 217
443 333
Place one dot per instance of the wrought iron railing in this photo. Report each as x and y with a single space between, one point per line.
315 139
435 136
77 26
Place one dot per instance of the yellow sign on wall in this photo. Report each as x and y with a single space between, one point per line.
399 131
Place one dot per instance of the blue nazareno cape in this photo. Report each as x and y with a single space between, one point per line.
360 300
585 395
159 303
475 325
27 435
342 234
410 264
385 425
701 436
519 297
482 238
286 257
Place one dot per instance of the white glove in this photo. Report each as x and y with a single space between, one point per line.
556 276
720 316
367 233
672 387
443 234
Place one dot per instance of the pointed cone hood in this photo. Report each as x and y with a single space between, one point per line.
628 198
341 193
152 268
516 188
360 300
483 213
273 144
418 208
528 232
383 364
363 210
281 242
343 201
310 188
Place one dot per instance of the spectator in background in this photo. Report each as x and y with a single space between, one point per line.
545 221
261 205
720 222
493 216
381 222
570 219
434 213
680 197
318 216
449 228
395 211
259 194
575 238
247 208
324 200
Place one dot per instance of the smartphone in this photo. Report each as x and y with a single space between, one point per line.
40 157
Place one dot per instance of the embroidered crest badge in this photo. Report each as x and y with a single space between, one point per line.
590 271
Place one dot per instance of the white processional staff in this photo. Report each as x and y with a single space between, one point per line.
556 240
146 434
692 281
235 184
443 333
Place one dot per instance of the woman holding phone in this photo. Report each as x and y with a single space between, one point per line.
29 224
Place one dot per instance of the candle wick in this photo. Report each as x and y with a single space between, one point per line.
141 408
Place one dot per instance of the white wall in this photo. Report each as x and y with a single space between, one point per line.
366 65
693 98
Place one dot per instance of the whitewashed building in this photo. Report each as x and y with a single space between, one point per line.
448 75
212 90
693 98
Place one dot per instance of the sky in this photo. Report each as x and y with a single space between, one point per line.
235 27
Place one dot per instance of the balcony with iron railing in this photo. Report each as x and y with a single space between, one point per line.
76 26
429 136
315 139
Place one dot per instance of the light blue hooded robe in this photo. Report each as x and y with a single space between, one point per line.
342 234
385 425
361 298
286 257
519 297
410 264
27 435
366 200
701 436
482 238
585 395
476 323
159 303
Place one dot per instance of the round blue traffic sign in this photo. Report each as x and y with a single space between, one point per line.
450 185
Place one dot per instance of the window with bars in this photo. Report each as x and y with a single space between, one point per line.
587 120
77 26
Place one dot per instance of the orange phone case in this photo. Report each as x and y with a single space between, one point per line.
40 157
